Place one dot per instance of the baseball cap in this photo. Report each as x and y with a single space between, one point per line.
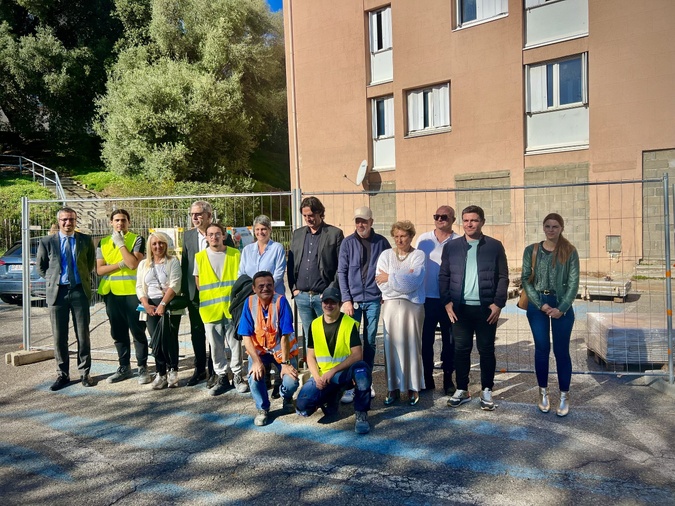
364 213
331 293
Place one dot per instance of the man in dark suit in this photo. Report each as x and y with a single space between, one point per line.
194 241
313 260
66 260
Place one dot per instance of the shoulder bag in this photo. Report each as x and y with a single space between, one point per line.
522 301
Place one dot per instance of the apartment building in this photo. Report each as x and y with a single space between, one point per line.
488 94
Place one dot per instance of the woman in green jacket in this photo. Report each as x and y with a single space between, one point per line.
551 292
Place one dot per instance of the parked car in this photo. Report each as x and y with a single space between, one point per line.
11 274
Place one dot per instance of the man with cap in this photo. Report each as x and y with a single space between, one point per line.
434 313
361 297
334 358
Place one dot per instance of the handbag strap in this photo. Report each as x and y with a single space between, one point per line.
158 281
534 261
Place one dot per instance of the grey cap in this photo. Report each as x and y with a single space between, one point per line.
331 293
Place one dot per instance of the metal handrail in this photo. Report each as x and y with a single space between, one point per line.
46 174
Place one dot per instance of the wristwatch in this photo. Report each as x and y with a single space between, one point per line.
162 303
286 362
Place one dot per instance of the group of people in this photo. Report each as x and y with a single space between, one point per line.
237 300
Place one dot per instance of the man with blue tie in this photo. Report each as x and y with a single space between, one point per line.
66 260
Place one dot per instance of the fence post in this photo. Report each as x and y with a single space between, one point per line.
25 268
669 296
20 165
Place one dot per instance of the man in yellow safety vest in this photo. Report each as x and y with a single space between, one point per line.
117 258
215 272
334 358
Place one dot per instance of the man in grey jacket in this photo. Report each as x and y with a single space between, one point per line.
361 297
65 260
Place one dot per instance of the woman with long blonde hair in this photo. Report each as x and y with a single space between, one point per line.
551 292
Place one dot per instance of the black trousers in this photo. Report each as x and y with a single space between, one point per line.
435 314
197 335
71 302
121 311
166 354
473 320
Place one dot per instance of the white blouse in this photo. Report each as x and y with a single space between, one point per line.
406 277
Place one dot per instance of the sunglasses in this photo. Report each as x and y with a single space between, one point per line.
441 217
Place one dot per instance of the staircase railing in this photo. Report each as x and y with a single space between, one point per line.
42 174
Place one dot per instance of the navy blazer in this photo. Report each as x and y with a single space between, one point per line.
49 262
493 271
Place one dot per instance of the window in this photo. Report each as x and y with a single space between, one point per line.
381 59
557 85
557 105
384 152
429 109
474 11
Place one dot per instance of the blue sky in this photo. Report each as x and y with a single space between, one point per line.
275 5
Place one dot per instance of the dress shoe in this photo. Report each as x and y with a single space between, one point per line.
211 380
391 398
61 381
196 377
414 398
87 381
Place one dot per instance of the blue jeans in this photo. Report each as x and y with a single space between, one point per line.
370 311
309 308
259 387
358 375
542 327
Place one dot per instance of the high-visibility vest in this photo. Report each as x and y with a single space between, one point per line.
214 293
325 360
122 282
266 338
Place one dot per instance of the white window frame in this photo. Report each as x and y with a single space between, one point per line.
501 8
536 85
435 102
381 17
388 103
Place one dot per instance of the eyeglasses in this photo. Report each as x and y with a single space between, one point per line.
441 217
194 215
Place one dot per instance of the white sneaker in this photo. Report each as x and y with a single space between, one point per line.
172 378
347 397
372 391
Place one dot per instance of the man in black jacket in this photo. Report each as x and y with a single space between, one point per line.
313 260
473 286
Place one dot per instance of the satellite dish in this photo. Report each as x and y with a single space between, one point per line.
363 168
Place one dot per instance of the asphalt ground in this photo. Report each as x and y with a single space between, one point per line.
126 444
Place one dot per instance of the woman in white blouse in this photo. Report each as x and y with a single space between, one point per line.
157 282
264 254
400 276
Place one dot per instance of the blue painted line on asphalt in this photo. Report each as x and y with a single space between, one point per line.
101 429
30 461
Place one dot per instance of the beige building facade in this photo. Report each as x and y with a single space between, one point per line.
466 94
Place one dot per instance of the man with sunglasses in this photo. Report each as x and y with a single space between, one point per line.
194 241
66 260
434 312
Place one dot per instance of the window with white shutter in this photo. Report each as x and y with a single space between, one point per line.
429 109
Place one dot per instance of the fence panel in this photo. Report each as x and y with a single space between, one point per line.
619 232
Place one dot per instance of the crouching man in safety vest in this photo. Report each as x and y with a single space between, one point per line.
266 326
334 358
215 272
117 258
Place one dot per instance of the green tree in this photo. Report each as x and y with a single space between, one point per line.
194 102
53 57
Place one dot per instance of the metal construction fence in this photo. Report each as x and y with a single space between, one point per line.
621 229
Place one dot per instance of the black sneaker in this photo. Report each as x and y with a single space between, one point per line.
261 418
123 372
61 382
211 382
87 381
287 405
196 377
221 386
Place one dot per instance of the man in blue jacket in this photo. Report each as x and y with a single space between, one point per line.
361 297
473 281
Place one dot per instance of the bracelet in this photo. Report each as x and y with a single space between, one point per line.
162 303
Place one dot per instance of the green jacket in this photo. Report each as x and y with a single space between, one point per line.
566 284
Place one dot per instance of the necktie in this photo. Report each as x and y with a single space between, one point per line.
69 263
